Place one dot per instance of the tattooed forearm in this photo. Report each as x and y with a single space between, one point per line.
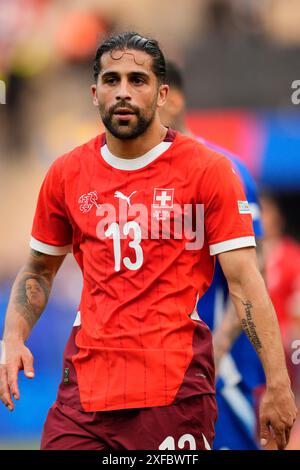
249 326
32 293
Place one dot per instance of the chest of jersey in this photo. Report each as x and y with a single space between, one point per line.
129 213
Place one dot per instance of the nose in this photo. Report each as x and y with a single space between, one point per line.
123 92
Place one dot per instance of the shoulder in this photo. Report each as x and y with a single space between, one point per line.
201 155
235 161
243 172
238 165
70 162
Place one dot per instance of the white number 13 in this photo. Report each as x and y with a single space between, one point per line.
114 230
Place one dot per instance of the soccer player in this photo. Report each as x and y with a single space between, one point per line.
240 371
138 369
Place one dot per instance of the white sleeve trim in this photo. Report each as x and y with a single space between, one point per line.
2 353
77 321
233 244
49 249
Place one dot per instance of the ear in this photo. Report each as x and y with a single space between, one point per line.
162 95
94 94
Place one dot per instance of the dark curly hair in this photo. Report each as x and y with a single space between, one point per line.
134 41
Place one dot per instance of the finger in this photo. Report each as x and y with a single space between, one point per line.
27 360
12 377
280 438
264 432
287 435
5 396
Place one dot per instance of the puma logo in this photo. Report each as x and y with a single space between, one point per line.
120 195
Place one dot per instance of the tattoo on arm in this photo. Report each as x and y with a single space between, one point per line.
249 326
32 293
33 289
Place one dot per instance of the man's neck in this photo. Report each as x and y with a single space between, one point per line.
137 147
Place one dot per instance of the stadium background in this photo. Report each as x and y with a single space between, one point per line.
240 58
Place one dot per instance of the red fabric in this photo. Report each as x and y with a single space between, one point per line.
180 427
135 343
283 280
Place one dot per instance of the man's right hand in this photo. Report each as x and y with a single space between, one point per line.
23 311
17 357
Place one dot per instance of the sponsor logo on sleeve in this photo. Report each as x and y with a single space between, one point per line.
244 207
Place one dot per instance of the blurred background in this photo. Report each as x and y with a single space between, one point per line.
240 59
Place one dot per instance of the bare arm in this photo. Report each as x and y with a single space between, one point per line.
259 321
29 297
230 328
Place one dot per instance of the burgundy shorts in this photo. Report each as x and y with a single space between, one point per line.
188 425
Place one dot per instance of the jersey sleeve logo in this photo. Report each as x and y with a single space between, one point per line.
244 207
87 201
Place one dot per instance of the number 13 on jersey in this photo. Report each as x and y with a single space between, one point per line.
114 231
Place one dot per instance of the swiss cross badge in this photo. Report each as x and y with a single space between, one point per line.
162 201
163 198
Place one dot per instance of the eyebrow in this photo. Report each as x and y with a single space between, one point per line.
117 74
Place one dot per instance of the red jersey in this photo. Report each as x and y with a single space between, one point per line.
283 281
137 342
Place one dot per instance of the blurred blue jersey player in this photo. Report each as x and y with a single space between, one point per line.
239 368
240 371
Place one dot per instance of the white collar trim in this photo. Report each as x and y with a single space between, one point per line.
134 163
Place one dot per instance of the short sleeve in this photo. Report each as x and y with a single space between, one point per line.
51 230
227 214
252 197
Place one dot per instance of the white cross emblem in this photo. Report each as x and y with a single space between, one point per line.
163 198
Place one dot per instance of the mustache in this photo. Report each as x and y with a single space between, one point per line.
123 104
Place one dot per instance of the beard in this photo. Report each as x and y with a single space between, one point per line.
126 130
